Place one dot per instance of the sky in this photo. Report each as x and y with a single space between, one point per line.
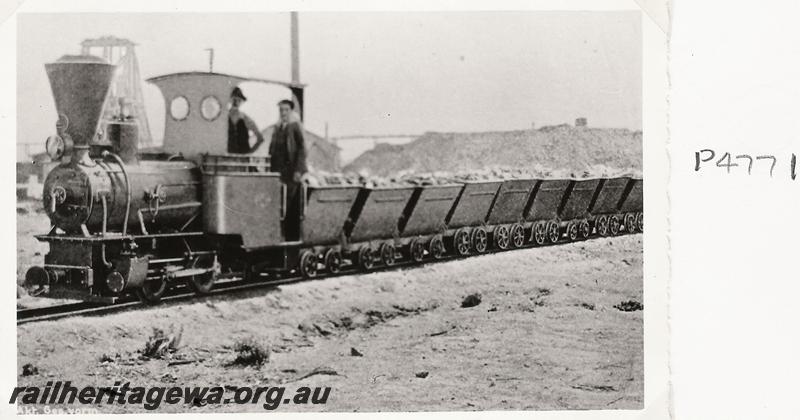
370 73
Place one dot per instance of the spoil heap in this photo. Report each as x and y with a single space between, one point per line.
560 150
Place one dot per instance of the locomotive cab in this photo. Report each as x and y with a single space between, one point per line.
244 204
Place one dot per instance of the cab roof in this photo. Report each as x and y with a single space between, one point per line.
239 79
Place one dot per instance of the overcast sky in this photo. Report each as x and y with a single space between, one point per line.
372 73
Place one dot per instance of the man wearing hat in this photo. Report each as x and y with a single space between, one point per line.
287 152
240 126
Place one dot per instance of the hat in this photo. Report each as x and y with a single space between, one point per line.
286 102
237 93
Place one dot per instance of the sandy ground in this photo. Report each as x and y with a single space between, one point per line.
545 336
31 220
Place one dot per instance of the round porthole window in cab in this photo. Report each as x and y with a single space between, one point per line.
210 108
179 108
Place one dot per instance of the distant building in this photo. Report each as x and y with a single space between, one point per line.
31 174
37 164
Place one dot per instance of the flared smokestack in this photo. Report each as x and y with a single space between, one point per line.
80 84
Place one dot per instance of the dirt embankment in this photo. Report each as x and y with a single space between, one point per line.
561 149
541 329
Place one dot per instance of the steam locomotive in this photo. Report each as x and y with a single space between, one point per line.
125 220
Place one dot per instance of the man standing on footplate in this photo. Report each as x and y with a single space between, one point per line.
287 152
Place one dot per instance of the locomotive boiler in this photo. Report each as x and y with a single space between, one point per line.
101 197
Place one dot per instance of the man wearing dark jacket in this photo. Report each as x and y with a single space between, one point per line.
287 152
240 126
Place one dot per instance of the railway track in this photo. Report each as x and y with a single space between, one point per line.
228 285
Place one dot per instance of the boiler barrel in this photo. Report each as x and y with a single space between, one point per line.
164 196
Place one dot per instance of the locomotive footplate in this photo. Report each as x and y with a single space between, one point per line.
104 268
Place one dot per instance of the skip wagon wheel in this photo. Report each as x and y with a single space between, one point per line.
553 232
602 225
308 264
366 258
387 254
202 283
152 290
630 223
572 231
333 260
640 221
417 250
613 225
517 235
539 233
461 241
437 247
501 237
480 240
584 229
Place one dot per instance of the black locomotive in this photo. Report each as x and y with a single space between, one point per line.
126 220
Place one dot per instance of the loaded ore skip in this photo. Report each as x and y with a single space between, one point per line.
126 220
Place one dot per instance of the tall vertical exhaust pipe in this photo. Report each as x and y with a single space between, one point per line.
295 50
297 89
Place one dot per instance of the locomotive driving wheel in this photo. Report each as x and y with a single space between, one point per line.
366 258
517 235
640 222
480 240
630 223
437 247
572 231
417 250
502 237
308 264
152 291
613 225
333 261
539 233
602 225
202 283
387 254
553 232
461 242
584 229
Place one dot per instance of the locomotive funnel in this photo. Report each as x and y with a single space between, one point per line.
80 84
